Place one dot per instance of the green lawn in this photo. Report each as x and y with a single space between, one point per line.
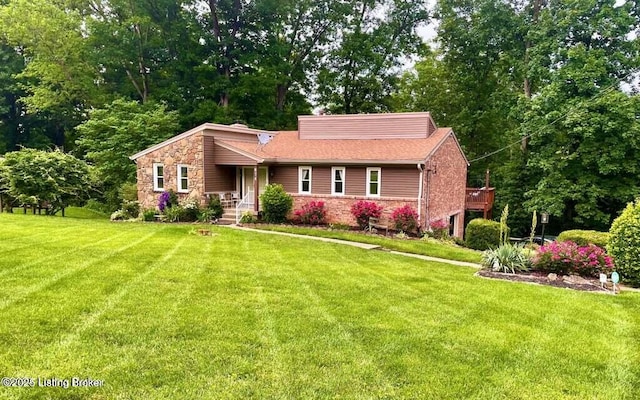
427 248
157 312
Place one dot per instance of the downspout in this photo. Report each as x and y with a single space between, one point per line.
427 194
420 187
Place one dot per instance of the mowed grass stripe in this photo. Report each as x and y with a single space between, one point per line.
239 315
9 266
63 273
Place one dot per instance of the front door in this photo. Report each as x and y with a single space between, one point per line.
247 179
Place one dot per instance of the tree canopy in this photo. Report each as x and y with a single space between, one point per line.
544 93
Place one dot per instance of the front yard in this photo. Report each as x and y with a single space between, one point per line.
156 311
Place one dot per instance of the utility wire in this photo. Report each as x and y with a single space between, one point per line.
581 104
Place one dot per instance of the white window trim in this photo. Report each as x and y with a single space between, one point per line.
300 168
333 181
157 188
369 170
180 177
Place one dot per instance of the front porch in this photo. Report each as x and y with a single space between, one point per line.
238 188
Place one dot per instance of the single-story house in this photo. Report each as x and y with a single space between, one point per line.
391 159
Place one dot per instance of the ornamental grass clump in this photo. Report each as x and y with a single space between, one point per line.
312 213
363 210
569 258
511 258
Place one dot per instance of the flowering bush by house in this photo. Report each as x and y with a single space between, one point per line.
405 218
439 229
569 258
363 210
312 213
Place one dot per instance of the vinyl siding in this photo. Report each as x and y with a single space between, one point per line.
287 176
400 182
321 180
396 182
223 135
370 126
224 156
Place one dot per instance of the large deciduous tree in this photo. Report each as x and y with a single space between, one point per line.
584 125
360 73
113 133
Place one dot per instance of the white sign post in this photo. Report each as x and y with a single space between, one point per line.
603 280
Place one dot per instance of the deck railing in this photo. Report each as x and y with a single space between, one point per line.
480 199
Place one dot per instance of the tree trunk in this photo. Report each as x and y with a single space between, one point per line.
281 96
537 5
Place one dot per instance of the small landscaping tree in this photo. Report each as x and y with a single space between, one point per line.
405 218
483 234
363 210
36 177
276 203
624 243
312 213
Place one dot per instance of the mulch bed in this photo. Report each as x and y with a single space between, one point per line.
568 282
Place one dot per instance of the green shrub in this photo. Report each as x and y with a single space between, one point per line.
128 191
482 234
174 214
276 204
248 218
148 215
507 258
215 208
191 211
624 243
584 238
131 208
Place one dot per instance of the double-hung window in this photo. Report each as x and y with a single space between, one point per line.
183 180
337 181
304 180
158 177
374 180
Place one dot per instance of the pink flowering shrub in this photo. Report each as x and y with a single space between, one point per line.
439 228
405 218
312 213
569 258
363 210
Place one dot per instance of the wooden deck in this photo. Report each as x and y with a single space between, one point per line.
480 199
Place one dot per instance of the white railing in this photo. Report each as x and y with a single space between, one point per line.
245 204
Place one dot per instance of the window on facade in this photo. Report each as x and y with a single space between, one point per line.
183 180
158 177
304 180
373 182
337 180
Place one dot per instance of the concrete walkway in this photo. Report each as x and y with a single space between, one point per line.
365 246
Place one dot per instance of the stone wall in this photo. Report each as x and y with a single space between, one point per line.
339 207
188 151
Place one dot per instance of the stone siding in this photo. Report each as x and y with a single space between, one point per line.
188 151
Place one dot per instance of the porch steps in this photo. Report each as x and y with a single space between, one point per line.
228 217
